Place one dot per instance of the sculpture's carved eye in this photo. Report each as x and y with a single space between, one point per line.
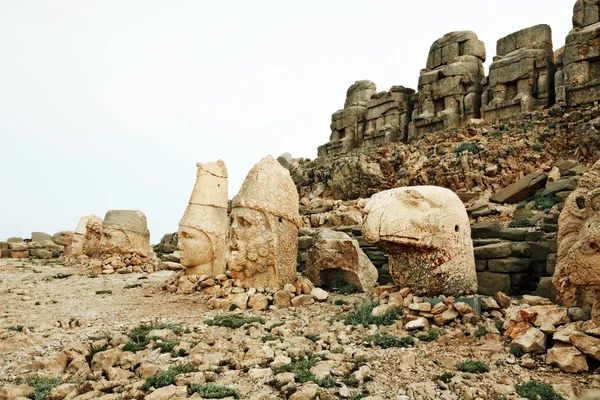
580 201
456 228
280 220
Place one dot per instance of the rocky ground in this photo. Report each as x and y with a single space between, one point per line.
65 334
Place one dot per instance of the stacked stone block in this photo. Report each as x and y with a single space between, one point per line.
40 246
578 82
521 78
450 86
369 118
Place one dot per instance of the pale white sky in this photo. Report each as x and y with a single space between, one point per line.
109 104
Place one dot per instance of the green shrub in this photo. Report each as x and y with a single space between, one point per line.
16 328
300 368
359 396
481 331
521 223
312 337
386 341
542 137
42 386
446 377
517 351
340 302
167 377
533 391
337 350
139 335
430 336
94 350
499 325
233 321
212 391
269 338
166 346
362 315
473 366
328 382
467 146
537 147
544 203
503 127
133 286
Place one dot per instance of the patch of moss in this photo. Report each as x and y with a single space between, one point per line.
167 377
212 391
233 321
534 391
362 315
386 341
473 366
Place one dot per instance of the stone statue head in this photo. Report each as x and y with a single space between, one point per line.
263 237
92 235
577 274
204 225
125 231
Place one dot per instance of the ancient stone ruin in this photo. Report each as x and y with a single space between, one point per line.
203 228
427 234
263 238
577 274
521 78
450 89
578 79
369 119
79 234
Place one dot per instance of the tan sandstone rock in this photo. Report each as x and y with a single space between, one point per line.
92 237
263 239
203 228
567 358
335 256
577 274
426 231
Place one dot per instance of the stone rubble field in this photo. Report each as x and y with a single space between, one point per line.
69 335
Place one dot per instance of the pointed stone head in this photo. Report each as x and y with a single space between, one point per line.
204 225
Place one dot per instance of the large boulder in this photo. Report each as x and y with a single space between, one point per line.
335 256
427 234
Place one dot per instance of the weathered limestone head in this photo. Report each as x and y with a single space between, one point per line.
263 237
92 238
64 238
204 226
426 231
77 244
359 93
577 274
125 231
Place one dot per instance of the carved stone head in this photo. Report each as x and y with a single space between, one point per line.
263 237
203 228
577 274
125 231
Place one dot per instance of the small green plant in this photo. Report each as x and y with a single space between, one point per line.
359 396
363 315
544 203
166 346
212 391
133 286
503 127
497 134
269 338
517 351
542 137
537 147
312 337
340 302
362 360
481 331
167 377
446 377
521 223
300 368
473 366
337 350
430 336
103 291
16 328
139 335
343 287
468 147
499 325
533 391
386 341
275 325
94 350
527 126
42 386
233 321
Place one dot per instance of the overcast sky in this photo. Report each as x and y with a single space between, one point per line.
109 104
